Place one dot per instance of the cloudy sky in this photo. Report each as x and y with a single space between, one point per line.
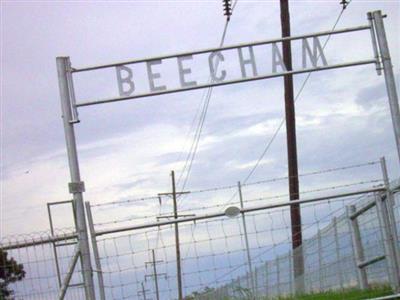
127 149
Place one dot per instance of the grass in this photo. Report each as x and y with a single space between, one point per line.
353 294
346 294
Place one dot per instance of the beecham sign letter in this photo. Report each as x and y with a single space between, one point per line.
311 56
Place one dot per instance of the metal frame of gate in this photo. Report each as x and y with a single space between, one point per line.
384 204
69 106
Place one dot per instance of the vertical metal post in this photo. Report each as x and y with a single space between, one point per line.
76 186
246 239
155 274
374 44
70 272
295 213
390 252
54 246
177 246
389 76
291 285
96 255
266 279
337 250
256 282
278 277
390 209
319 260
357 247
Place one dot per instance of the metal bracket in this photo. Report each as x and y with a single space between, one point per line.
74 109
76 187
378 63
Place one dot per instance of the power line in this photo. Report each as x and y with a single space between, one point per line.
284 118
234 186
193 149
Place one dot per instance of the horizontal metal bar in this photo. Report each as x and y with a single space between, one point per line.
153 262
59 202
363 209
65 244
244 210
173 216
206 85
206 50
371 261
37 241
76 285
158 274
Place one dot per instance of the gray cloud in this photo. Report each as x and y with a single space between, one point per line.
127 140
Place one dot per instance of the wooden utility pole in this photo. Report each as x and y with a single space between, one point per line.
295 215
144 291
155 275
178 248
175 215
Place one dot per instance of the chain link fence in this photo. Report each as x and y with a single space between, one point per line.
247 256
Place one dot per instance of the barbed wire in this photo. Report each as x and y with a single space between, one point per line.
280 196
228 187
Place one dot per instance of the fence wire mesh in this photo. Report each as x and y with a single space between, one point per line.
244 257
214 258
43 268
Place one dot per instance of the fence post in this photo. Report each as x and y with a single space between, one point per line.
319 259
266 279
96 255
337 250
246 239
390 209
357 247
256 282
278 276
291 274
76 186
389 76
390 253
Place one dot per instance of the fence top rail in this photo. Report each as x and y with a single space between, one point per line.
214 49
244 210
28 242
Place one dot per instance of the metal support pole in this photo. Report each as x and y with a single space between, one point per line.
256 283
295 213
278 277
319 245
54 246
68 276
390 209
337 250
76 186
96 255
155 274
390 252
291 285
374 44
389 76
177 245
357 248
246 239
266 280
